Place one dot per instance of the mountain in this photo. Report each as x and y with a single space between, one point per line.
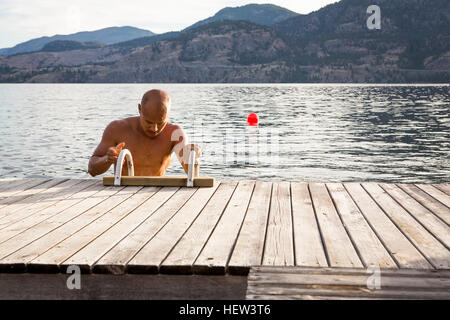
332 44
413 32
264 14
145 41
108 35
67 45
226 51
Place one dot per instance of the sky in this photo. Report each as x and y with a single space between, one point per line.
22 20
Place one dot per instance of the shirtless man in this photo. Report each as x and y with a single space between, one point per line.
149 137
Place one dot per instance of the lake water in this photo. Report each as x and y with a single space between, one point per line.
322 133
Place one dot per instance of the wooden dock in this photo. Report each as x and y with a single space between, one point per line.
47 225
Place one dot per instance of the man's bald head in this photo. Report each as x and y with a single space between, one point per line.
156 99
154 111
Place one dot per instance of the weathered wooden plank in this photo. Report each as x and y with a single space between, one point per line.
432 249
309 250
249 247
30 286
338 245
427 201
16 187
27 245
139 263
435 193
13 185
304 297
345 280
431 273
183 255
16 212
370 248
401 249
273 292
127 247
214 257
57 236
443 187
78 241
20 226
9 179
339 283
279 242
104 247
433 224
160 181
34 187
161 244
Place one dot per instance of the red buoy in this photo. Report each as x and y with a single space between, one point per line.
252 119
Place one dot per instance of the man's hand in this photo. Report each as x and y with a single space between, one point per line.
185 152
113 153
197 148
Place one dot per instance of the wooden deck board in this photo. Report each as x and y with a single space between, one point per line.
18 211
433 224
436 193
152 198
443 187
249 247
436 253
182 257
309 249
22 198
233 227
34 219
339 247
161 244
340 283
9 189
217 250
17 251
439 209
159 210
58 235
400 248
76 242
150 181
370 248
9 186
279 243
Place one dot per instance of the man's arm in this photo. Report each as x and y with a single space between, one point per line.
106 152
182 147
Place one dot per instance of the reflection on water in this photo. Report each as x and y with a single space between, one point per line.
324 132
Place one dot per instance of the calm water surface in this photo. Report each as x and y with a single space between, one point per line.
306 132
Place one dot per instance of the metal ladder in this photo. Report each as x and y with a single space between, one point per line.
125 155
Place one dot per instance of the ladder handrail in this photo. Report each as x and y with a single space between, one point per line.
125 154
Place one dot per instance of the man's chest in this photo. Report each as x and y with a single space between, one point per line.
148 151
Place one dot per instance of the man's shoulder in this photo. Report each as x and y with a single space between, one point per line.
122 123
117 128
174 132
171 127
